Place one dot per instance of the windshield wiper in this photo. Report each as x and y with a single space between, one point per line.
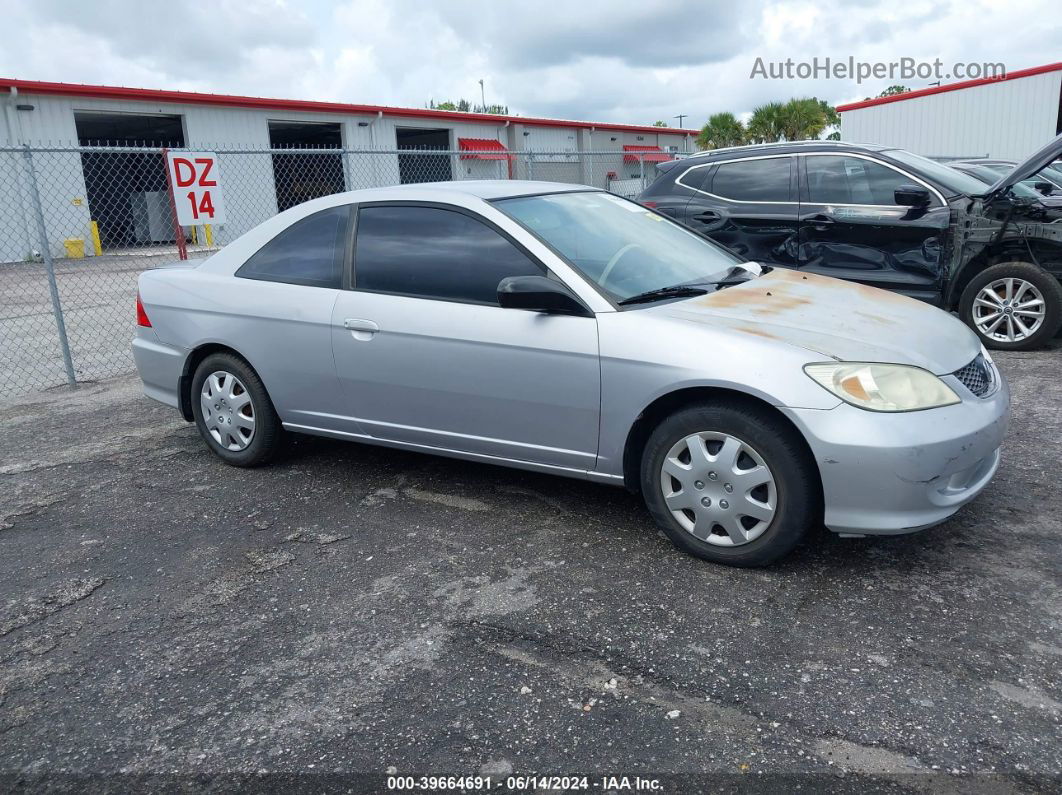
675 291
679 291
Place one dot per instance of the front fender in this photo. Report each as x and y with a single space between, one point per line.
646 357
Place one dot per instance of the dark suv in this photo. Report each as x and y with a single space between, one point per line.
886 218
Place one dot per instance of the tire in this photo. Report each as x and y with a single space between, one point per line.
1024 280
243 433
763 439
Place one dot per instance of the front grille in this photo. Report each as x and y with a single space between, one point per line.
976 376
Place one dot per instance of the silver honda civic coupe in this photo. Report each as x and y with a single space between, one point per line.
565 330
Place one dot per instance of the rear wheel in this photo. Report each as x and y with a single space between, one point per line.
1013 306
730 483
233 412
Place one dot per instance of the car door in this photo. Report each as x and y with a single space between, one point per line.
277 313
852 228
748 205
427 357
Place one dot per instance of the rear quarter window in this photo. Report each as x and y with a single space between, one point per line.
310 252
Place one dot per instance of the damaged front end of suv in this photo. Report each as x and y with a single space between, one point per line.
1004 257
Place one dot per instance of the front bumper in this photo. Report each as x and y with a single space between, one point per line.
887 474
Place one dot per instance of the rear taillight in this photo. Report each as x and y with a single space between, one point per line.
650 205
141 315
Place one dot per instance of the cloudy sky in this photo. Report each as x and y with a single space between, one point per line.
620 61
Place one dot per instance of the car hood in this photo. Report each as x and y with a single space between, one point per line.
837 319
1031 166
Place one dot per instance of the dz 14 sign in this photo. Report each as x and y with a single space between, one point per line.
195 182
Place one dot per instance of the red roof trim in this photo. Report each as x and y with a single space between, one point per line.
484 149
925 92
263 103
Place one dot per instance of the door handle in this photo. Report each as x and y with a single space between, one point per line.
360 329
708 216
819 221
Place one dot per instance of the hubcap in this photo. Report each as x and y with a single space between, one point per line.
1008 310
228 411
718 488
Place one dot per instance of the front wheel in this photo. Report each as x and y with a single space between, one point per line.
730 483
1013 306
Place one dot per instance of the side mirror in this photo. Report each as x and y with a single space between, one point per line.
912 196
1044 187
538 294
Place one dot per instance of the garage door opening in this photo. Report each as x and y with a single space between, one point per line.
301 176
126 191
423 167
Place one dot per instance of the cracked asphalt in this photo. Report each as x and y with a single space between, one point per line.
354 609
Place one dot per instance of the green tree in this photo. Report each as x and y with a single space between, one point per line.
766 124
659 123
891 91
722 129
464 106
803 119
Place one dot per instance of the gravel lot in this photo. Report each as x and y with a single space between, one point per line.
353 609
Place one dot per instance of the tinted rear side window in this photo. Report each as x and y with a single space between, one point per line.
309 252
434 253
753 180
697 177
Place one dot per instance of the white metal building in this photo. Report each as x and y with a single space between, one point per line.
1007 118
58 115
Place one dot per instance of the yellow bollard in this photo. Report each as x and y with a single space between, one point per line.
97 247
209 235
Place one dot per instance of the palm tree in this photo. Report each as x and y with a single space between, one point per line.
766 124
722 129
802 119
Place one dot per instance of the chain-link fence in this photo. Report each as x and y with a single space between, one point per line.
77 224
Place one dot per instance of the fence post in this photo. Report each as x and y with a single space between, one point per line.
641 170
46 253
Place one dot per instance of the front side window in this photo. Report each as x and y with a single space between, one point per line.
428 252
618 244
765 180
835 179
309 252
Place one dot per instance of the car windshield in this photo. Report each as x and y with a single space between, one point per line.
954 182
990 177
623 247
1053 174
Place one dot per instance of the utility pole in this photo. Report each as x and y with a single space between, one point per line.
482 95
680 117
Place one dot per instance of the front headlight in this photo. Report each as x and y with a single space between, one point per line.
883 387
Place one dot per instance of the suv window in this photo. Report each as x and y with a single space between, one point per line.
835 179
309 252
696 177
765 180
430 252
